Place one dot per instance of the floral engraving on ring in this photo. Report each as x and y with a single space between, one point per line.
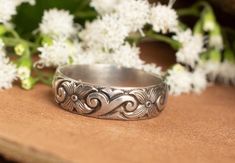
109 103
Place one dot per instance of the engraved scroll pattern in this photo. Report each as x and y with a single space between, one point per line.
110 103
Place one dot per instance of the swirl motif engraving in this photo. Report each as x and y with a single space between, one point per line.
109 103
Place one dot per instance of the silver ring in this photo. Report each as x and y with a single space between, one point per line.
109 92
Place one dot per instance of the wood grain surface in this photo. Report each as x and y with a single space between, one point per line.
193 128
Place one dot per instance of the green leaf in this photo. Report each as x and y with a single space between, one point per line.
28 17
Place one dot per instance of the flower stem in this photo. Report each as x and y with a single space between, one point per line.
45 78
46 81
86 14
173 43
9 41
194 10
188 12
14 33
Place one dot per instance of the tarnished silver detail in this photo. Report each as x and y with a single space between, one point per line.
109 92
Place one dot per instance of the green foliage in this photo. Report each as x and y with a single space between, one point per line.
28 17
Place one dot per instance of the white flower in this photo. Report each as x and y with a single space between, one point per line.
192 47
209 25
216 41
2 51
92 56
7 70
163 18
179 80
211 68
216 38
153 68
199 80
134 14
8 9
85 58
127 56
105 6
1 47
209 21
28 83
23 72
7 74
183 36
226 72
105 33
57 54
57 23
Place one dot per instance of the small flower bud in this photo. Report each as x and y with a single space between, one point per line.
178 68
215 38
28 83
20 49
46 40
24 67
209 21
23 72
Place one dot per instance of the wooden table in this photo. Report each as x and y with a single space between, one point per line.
193 128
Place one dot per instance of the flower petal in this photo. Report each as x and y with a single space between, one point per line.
81 108
140 94
152 111
153 93
82 91
69 87
68 104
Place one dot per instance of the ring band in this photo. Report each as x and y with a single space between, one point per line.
109 92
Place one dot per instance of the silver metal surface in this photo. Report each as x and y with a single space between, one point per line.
109 92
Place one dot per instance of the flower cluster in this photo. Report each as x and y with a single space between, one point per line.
191 47
181 80
59 46
108 33
102 40
8 72
218 59
163 18
57 23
